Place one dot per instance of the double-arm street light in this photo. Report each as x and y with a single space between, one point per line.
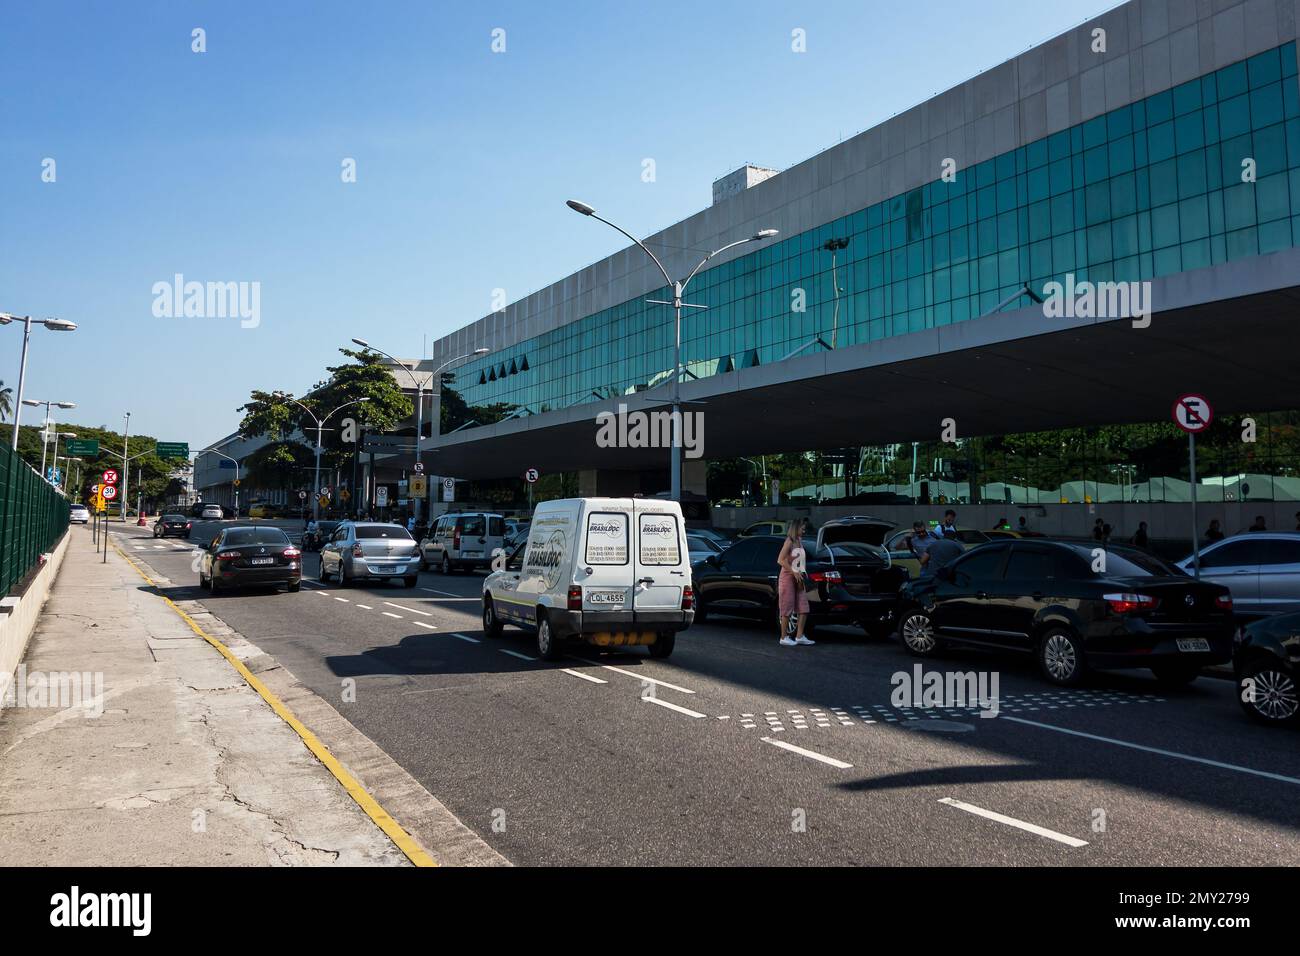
55 325
678 288
320 427
45 431
419 395
54 468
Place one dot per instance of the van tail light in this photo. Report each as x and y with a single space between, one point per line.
1223 602
229 555
188 525
357 552
291 552
688 598
1126 602
575 597
455 539
830 577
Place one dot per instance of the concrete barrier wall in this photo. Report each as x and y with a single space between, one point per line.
16 627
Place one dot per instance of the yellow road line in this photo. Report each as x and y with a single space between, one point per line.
404 841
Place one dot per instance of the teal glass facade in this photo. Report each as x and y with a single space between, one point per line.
1150 189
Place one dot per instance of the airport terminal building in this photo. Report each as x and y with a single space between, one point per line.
902 342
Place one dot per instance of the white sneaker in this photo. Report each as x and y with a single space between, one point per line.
803 640
787 642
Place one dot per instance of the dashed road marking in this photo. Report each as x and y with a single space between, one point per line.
1013 822
671 706
642 677
391 614
365 607
594 680
403 607
472 640
810 754
522 657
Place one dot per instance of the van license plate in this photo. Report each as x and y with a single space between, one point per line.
606 597
1194 644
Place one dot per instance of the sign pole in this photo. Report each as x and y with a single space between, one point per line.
1196 546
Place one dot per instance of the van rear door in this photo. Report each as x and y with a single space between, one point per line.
662 566
605 557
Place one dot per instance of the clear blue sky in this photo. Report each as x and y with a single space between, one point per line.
225 166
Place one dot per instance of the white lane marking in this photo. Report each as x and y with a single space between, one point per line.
1013 822
671 706
344 600
160 547
448 593
472 640
1156 750
322 594
447 599
522 657
403 607
391 614
619 670
810 754
365 607
313 584
594 680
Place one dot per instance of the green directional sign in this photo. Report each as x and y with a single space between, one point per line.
172 449
78 447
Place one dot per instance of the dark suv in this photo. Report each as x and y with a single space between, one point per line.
1045 599
1266 661
851 583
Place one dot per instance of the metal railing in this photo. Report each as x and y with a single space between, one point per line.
33 515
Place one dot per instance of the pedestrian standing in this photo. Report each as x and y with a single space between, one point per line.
791 588
949 525
1140 539
1096 530
1259 524
1214 533
944 550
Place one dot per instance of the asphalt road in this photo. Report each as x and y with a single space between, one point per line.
739 751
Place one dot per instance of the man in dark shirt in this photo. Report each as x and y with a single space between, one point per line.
941 553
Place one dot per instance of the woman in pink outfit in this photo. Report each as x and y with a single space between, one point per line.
792 598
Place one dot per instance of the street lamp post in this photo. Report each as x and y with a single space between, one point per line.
126 472
228 458
45 431
55 467
678 287
55 325
320 427
419 396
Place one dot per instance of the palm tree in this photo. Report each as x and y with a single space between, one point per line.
6 401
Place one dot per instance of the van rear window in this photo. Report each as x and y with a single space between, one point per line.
606 538
658 541
473 526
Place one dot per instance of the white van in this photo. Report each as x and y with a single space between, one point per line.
613 572
462 540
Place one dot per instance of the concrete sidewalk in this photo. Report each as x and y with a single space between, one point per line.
170 757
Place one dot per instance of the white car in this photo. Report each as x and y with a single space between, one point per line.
211 511
78 514
608 571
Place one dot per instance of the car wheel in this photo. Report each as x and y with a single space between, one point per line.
1060 658
548 645
345 580
918 632
445 568
491 626
214 585
1271 688
322 575
295 587
1176 675
663 645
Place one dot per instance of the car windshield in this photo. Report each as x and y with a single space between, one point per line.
173 517
242 536
1132 563
383 531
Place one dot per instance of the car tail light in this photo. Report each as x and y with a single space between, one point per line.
357 552
1223 602
688 598
575 595
830 577
188 525
229 555
291 552
1126 602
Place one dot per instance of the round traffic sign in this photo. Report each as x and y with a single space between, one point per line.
110 477
449 484
324 492
110 492
531 475
1192 413
302 496
418 467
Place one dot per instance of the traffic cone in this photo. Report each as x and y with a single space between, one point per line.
140 521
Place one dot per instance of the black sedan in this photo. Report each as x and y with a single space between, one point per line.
851 583
260 556
176 524
1266 661
1045 598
